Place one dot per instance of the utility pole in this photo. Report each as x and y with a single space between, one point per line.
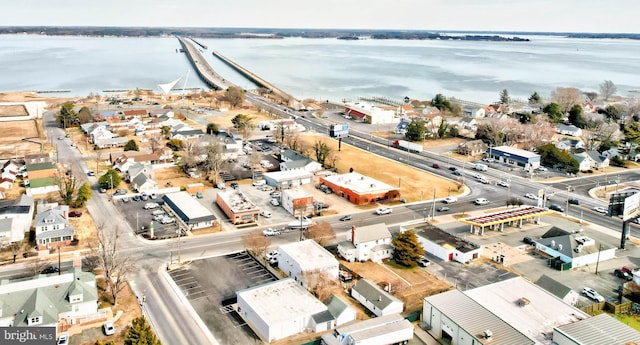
433 207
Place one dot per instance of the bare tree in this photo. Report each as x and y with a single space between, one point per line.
320 284
607 89
67 186
292 139
333 158
566 97
321 232
321 150
38 264
536 134
212 158
155 143
115 265
598 132
256 243
15 248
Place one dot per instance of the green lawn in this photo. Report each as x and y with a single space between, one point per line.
632 321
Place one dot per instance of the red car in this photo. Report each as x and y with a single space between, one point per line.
75 214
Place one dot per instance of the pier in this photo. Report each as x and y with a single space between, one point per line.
256 79
204 70
204 46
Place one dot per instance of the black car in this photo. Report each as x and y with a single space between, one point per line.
50 269
345 218
555 207
453 168
234 185
528 240
136 198
574 201
622 274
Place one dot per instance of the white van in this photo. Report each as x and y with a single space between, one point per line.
480 167
481 201
257 183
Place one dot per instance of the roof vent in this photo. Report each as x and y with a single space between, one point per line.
379 298
488 334
553 243
559 246
522 301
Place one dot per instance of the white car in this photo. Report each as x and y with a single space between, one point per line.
265 214
542 169
272 254
503 184
167 220
108 328
450 200
274 202
64 339
531 196
270 232
601 210
481 201
477 176
151 205
592 294
384 210
259 183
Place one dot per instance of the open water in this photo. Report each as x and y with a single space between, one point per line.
326 68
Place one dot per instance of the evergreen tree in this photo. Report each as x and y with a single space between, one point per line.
212 128
131 145
141 333
407 250
416 130
554 111
504 97
110 179
535 98
576 116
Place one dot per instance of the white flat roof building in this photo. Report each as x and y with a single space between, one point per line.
237 201
279 309
189 210
297 258
527 307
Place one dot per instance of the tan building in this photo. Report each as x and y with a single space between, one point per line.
237 207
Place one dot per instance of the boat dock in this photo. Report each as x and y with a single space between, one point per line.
204 46
255 79
206 73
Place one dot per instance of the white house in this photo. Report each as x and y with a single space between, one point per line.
49 300
569 130
560 290
443 245
342 312
282 308
306 262
292 160
375 299
15 219
584 163
52 226
474 112
100 132
372 242
570 144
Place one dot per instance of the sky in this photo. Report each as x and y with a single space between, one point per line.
473 15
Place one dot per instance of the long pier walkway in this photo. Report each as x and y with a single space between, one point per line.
256 79
204 46
206 73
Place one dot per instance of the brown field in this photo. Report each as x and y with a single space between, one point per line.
414 184
12 133
13 110
177 177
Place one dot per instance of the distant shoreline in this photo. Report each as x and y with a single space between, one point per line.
276 33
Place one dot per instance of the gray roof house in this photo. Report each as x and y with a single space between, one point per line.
558 289
378 301
52 226
584 163
342 312
569 130
143 183
45 300
292 160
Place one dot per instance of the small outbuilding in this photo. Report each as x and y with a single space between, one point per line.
375 299
444 245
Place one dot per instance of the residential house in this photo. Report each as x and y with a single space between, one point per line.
292 160
570 144
558 289
137 113
569 130
307 262
50 301
41 178
107 115
431 111
610 153
52 226
190 134
401 128
87 128
15 219
136 169
472 148
584 163
375 299
143 183
342 312
100 133
105 142
598 161
474 112
469 123
10 171
372 242
404 110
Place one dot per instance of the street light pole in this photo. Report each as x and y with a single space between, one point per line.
566 210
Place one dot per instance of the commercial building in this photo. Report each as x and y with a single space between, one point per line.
372 242
573 250
527 307
359 189
375 299
443 245
190 212
456 318
296 201
288 178
238 208
49 300
307 262
283 308
390 329
597 330
369 113
516 157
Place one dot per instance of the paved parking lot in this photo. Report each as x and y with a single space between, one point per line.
140 219
210 286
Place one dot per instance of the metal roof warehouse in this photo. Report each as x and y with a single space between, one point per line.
189 210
